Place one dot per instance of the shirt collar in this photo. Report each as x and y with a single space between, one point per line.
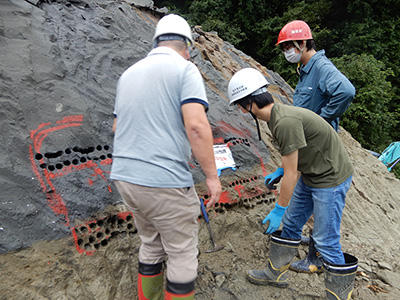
163 50
311 62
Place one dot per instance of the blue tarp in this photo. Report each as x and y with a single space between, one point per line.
391 155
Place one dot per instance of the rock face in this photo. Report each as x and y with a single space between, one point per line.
64 233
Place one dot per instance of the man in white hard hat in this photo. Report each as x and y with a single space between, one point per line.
160 112
323 89
307 144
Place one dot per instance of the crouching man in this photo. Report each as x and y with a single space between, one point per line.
308 144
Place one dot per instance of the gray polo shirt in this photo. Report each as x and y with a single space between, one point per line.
151 147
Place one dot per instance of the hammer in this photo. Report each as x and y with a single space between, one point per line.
204 211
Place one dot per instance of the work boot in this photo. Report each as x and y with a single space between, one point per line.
181 291
312 263
150 281
281 253
339 279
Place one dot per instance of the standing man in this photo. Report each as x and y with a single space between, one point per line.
323 89
309 145
160 117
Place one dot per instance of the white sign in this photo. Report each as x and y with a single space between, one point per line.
223 158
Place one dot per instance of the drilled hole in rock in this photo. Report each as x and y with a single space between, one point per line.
43 166
104 243
99 235
205 196
120 221
59 166
109 155
100 222
83 159
68 151
88 246
91 239
92 225
114 234
107 231
102 157
75 161
106 147
80 242
51 168
38 156
67 163
128 218
129 226
97 246
99 147
83 229
134 231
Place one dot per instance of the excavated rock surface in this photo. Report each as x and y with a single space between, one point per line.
64 233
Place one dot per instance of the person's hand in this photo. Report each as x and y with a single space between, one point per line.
274 218
214 190
273 178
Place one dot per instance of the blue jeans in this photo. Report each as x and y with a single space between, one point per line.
327 205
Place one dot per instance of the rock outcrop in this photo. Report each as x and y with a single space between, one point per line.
64 233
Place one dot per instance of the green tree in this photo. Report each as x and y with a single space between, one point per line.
361 36
368 118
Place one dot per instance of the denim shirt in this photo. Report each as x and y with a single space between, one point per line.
323 89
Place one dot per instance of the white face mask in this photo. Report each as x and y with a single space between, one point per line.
292 57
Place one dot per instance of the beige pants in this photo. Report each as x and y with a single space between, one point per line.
166 220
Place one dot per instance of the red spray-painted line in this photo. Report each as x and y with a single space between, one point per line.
39 134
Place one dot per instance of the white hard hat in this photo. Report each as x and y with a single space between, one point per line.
173 24
244 83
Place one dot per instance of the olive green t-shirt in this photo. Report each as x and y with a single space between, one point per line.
323 160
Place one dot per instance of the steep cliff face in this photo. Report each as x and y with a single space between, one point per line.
59 65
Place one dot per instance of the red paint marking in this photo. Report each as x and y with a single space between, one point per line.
238 188
219 140
124 215
226 198
45 177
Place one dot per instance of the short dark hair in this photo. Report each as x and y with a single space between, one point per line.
261 100
311 45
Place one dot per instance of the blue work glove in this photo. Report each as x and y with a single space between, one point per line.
273 178
274 218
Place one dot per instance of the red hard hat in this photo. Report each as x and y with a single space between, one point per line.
294 31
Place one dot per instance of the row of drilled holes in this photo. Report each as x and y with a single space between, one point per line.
98 233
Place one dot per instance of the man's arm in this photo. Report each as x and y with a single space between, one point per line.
289 165
341 93
200 137
114 125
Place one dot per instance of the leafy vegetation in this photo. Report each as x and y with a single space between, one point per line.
361 37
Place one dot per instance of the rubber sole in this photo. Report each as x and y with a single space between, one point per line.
259 281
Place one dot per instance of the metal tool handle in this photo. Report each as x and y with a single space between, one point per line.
203 210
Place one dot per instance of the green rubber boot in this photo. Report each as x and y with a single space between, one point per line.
312 263
179 291
150 281
339 279
281 253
